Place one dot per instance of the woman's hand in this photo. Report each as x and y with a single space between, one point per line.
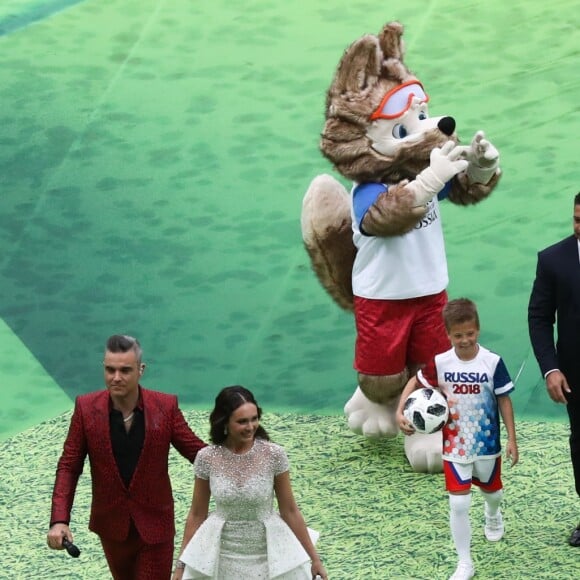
318 571
177 573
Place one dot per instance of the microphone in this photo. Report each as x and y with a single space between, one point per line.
72 550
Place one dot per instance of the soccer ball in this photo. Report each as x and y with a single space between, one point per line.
426 409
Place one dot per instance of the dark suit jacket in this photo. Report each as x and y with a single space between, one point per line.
148 500
556 296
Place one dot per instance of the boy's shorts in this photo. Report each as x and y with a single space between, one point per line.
485 473
392 334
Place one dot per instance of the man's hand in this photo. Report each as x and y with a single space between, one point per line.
557 385
55 535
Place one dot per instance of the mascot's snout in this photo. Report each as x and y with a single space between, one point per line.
446 125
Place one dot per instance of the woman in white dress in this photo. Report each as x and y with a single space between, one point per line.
244 538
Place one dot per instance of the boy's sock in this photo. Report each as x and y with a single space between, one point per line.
493 528
492 501
460 524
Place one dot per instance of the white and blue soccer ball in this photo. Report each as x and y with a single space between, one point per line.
427 410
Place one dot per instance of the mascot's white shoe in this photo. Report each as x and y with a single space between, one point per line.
369 419
424 452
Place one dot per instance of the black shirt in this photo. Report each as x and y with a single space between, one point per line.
127 445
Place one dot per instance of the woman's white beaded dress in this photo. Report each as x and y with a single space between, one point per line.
244 538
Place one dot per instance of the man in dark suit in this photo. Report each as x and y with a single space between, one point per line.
555 297
126 431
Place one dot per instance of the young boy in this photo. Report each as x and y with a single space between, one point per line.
477 385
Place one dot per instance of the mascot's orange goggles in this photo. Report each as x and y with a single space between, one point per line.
398 100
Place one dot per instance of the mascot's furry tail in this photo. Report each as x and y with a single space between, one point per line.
327 235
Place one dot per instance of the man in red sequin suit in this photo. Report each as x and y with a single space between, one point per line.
126 431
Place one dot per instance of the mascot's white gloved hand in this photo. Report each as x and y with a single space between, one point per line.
483 159
445 163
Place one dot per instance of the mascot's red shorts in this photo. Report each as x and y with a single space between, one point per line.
393 334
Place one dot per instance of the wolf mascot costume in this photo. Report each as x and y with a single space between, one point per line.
379 251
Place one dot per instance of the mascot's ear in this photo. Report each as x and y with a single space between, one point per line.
365 65
391 42
393 49
359 68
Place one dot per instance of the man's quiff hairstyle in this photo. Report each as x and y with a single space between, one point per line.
124 343
459 311
577 199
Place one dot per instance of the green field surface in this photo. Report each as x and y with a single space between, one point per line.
378 520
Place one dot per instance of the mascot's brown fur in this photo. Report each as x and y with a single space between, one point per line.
413 155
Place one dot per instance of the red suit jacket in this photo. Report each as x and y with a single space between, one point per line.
148 500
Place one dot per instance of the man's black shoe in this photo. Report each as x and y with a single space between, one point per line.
574 539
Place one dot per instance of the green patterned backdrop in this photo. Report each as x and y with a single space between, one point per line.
153 159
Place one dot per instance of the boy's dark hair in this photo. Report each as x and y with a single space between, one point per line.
577 199
459 311
124 343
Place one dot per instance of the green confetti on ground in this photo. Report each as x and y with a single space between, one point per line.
377 518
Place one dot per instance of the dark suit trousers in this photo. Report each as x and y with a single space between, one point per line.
133 559
573 408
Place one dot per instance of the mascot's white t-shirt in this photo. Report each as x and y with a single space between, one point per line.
399 267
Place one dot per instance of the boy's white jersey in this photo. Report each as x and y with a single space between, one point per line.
471 388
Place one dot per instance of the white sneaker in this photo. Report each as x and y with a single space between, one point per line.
464 571
493 528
